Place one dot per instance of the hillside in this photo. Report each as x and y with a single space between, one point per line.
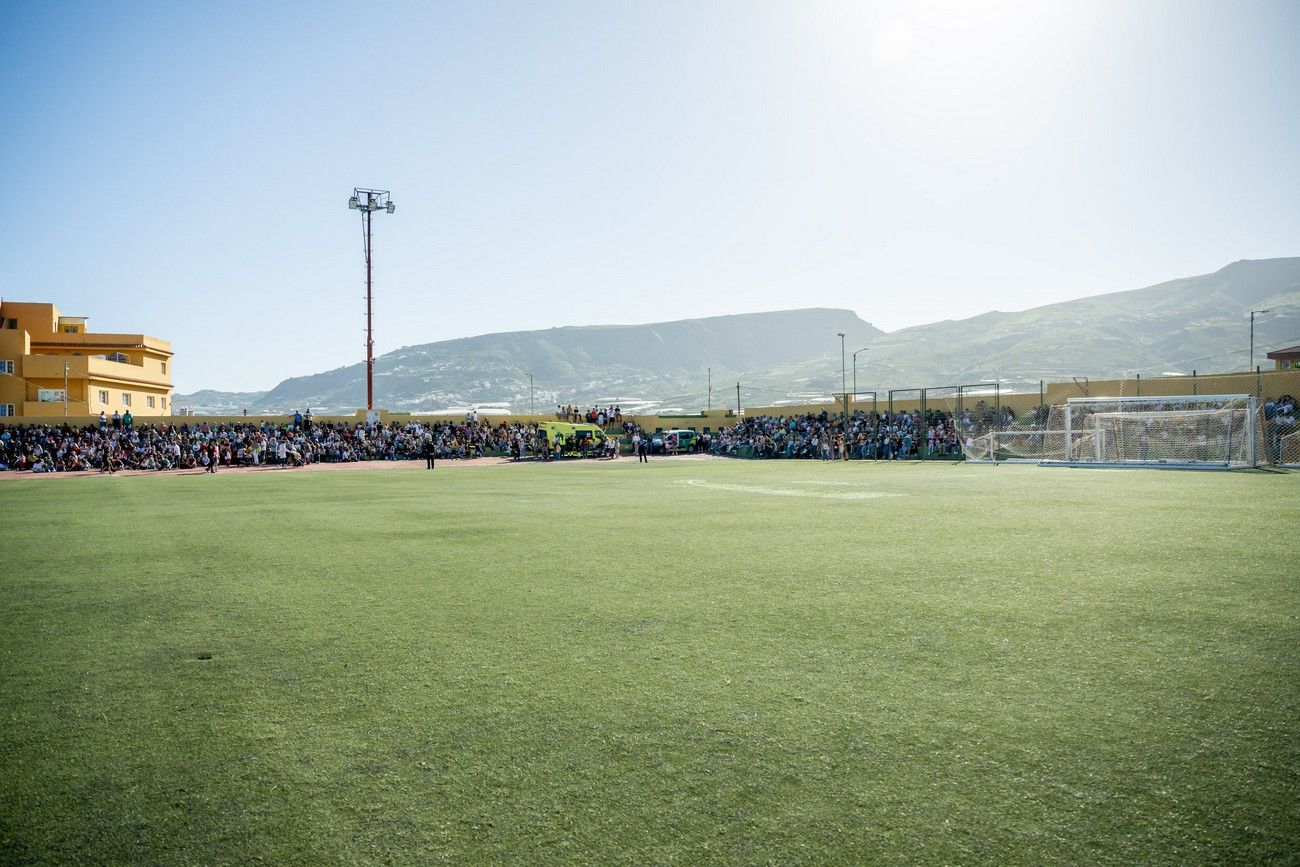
663 363
1199 323
792 356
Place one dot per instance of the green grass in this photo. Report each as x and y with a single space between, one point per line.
603 663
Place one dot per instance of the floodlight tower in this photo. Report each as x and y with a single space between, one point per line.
367 202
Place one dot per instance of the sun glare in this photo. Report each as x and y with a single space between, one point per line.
892 43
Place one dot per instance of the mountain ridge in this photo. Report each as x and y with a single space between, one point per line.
789 355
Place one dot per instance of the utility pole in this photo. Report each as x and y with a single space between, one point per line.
531 411
855 371
737 399
65 389
710 388
367 202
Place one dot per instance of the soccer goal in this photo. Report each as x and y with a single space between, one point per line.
1198 431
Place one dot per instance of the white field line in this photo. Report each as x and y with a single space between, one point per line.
789 492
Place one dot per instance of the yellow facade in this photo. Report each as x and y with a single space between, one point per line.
40 350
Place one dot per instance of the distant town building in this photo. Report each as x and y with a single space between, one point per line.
104 372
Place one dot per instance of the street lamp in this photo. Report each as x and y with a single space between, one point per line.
531 411
844 382
1252 336
367 202
855 371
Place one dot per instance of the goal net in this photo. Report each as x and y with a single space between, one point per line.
1288 449
1170 431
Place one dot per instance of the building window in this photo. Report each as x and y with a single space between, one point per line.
6 366
164 402
69 329
103 396
119 357
126 398
7 409
149 401
11 324
164 367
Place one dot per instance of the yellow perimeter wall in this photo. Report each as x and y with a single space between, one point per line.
1267 384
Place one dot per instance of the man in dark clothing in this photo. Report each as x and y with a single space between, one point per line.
429 452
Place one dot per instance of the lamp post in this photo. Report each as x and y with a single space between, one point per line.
1252 336
844 383
710 388
855 371
531 411
367 202
65 389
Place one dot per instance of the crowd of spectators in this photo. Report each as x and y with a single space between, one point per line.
1280 421
824 435
595 415
109 447
118 443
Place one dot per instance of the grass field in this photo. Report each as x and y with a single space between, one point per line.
692 661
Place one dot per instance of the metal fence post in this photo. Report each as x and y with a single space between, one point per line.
922 446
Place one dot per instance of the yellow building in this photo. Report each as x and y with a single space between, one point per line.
41 350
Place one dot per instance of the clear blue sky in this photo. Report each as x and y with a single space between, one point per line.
183 168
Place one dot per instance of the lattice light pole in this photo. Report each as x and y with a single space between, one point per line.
367 202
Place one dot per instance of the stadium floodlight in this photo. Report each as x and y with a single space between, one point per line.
375 200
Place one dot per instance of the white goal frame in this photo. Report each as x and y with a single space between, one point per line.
1171 403
1071 443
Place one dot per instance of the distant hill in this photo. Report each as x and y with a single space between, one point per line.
792 356
1191 323
663 364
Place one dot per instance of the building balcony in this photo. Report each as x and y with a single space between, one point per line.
50 367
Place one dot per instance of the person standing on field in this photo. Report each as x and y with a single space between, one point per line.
429 452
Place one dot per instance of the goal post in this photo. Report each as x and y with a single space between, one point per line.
1178 431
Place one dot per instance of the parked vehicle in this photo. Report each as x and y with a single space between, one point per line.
678 441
